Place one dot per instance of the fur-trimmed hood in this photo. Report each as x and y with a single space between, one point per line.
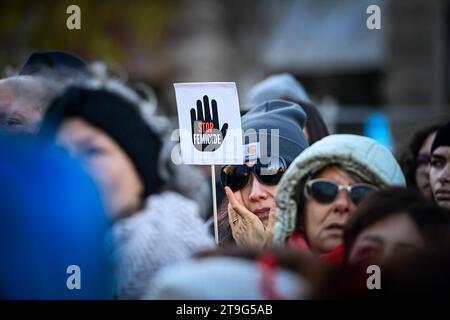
361 155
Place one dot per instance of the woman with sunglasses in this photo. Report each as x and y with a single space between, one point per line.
273 135
323 187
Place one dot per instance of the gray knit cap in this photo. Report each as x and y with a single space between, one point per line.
277 86
276 121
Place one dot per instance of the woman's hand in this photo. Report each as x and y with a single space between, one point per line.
246 227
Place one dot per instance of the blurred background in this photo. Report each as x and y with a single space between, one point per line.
385 81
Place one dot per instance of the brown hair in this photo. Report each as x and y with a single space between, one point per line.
315 125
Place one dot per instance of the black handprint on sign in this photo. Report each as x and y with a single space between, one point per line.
206 132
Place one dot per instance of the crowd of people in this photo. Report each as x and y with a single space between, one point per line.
87 183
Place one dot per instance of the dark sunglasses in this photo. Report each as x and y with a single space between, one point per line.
325 190
236 177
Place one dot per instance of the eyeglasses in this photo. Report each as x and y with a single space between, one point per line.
236 177
325 190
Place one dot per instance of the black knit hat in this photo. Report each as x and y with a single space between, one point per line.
119 119
442 137
38 61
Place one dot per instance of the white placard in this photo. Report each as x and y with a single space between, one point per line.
210 123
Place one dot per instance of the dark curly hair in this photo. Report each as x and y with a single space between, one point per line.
408 156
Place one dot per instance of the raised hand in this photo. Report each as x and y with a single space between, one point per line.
206 132
247 229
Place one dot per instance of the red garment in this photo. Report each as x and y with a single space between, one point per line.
335 256
298 240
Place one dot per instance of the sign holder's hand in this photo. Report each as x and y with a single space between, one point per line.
246 227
